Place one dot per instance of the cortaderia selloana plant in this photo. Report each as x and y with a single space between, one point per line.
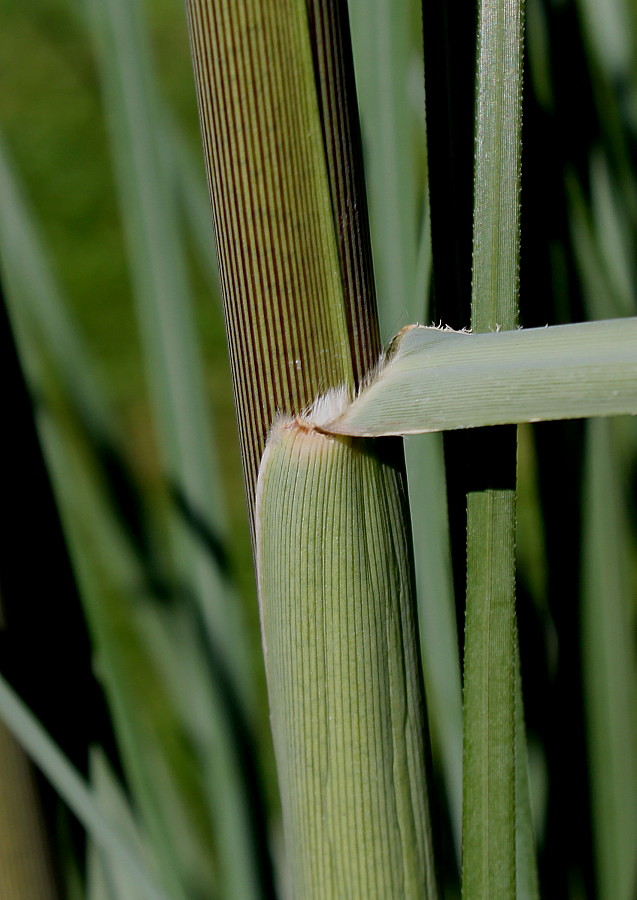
399 775
326 490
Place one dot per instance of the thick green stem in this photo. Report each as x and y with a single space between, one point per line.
496 225
343 676
489 849
278 255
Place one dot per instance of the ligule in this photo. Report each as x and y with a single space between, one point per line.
347 708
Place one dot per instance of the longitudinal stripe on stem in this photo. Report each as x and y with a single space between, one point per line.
284 303
341 134
489 801
341 656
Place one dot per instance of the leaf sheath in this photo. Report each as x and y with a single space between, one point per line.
339 633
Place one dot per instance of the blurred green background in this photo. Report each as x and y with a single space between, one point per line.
54 129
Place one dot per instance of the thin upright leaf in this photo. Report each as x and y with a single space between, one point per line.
609 670
489 808
385 42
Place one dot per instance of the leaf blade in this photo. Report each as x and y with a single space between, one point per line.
439 380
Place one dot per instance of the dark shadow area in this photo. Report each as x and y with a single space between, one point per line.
45 650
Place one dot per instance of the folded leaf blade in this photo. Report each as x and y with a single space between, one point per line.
436 380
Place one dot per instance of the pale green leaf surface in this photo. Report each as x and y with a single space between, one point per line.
436 380
341 652
387 46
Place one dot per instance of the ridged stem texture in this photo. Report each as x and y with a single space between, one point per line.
339 633
489 810
266 102
334 74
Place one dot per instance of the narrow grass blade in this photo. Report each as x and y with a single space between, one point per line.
386 43
497 172
613 237
72 789
608 67
437 614
600 281
489 811
386 40
601 234
610 675
340 642
527 886
103 880
490 815
436 380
